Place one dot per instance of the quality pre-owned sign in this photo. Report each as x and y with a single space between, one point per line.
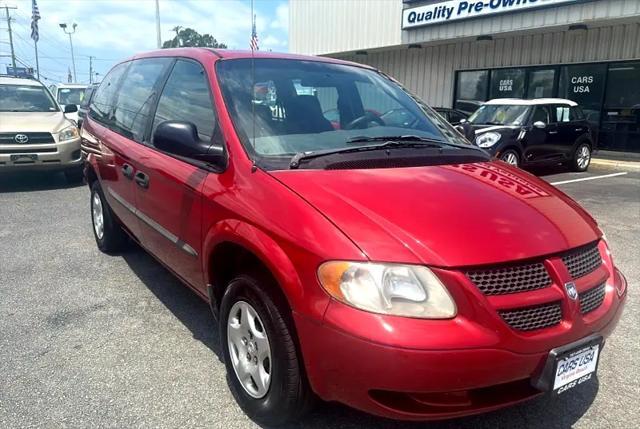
454 10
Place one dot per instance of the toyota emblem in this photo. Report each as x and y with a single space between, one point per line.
572 292
21 138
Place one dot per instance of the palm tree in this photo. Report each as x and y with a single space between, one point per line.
177 29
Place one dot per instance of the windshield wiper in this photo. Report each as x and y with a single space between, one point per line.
405 138
300 156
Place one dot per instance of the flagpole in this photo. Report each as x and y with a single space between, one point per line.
37 62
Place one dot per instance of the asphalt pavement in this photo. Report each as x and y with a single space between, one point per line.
90 340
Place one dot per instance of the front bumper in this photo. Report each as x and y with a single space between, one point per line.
468 369
50 156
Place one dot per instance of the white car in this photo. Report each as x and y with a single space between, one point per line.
69 93
35 134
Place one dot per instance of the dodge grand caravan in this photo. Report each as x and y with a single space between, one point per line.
383 266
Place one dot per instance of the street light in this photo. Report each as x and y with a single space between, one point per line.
73 59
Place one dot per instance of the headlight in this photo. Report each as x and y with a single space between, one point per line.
399 290
487 139
69 133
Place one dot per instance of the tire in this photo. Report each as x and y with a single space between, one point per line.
511 157
285 396
581 158
74 175
109 235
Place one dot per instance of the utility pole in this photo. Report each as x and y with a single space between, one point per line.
73 58
13 54
158 24
90 69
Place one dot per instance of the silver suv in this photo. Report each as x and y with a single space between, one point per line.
35 134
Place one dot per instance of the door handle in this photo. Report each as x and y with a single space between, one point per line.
142 179
578 129
553 132
127 171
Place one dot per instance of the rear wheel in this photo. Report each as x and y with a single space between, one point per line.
264 371
108 233
581 158
511 157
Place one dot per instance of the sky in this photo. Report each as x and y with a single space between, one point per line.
111 30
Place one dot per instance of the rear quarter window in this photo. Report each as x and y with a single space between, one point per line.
101 107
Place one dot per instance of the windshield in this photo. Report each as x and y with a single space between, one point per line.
70 96
26 98
500 114
302 106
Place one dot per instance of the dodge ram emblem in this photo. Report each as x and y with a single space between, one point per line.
571 290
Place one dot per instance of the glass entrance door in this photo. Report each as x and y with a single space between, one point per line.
542 83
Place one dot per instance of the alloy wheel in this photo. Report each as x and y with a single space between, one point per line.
510 158
249 349
584 157
98 216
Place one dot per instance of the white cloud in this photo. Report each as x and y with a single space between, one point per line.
282 17
273 43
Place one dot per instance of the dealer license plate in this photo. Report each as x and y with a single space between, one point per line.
575 367
24 156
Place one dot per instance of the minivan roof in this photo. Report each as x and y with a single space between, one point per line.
535 102
235 54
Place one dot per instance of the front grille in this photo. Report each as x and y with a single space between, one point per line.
591 299
510 279
531 318
582 261
21 151
34 138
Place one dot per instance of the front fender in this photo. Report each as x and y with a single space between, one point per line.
263 247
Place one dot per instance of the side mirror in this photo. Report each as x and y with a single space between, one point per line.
539 124
181 139
70 108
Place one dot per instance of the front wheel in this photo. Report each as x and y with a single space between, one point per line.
581 158
264 371
108 233
511 157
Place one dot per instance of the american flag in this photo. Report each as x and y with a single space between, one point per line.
35 16
253 44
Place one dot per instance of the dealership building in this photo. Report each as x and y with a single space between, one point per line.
460 53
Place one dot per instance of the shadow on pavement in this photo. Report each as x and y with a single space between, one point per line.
548 170
543 412
192 311
27 181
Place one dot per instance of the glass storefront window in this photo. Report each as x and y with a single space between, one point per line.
584 84
471 90
541 83
621 118
607 93
507 83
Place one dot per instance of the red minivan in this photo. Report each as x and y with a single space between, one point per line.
379 261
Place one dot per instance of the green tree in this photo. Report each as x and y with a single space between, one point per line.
188 37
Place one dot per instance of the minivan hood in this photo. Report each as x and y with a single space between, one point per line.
51 122
450 215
